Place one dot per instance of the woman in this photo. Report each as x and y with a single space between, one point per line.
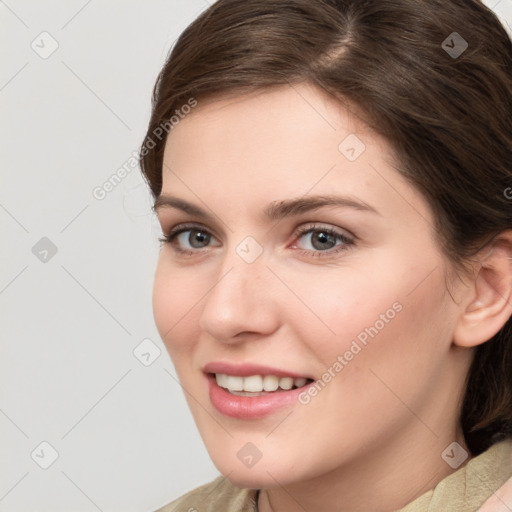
333 181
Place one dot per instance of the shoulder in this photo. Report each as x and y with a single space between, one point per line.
473 484
220 494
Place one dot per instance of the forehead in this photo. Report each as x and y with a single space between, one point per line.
279 143
291 106
281 125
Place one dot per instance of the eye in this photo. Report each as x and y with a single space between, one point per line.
323 241
188 239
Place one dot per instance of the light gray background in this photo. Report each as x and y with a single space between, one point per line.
72 320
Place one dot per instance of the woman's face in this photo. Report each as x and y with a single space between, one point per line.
303 254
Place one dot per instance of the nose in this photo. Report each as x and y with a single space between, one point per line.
242 301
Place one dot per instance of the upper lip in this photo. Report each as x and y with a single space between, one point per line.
248 369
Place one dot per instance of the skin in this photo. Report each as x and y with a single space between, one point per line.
501 501
372 439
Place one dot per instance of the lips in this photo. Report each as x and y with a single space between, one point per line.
252 391
246 370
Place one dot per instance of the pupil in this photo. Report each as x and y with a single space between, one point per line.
199 238
323 239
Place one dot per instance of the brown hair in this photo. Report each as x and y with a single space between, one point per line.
446 115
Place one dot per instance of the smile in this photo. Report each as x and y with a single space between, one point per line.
251 392
257 385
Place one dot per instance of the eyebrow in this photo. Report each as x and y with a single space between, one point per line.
274 211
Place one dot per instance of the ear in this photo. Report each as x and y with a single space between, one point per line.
488 299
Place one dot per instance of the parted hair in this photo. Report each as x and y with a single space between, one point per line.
433 77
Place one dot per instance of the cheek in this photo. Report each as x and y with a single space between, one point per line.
392 302
174 299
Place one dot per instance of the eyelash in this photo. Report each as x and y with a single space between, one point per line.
303 230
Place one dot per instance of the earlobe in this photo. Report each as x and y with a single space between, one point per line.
489 303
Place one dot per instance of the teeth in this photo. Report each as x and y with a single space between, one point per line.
234 383
270 383
254 383
286 383
299 382
258 383
222 380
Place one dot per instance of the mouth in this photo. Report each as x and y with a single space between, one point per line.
251 392
258 385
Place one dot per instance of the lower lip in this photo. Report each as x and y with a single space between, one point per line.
247 407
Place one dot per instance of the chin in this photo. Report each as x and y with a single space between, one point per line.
262 475
252 479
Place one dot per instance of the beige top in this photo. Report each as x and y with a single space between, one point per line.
465 490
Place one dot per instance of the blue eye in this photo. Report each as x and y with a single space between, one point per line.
324 241
197 238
